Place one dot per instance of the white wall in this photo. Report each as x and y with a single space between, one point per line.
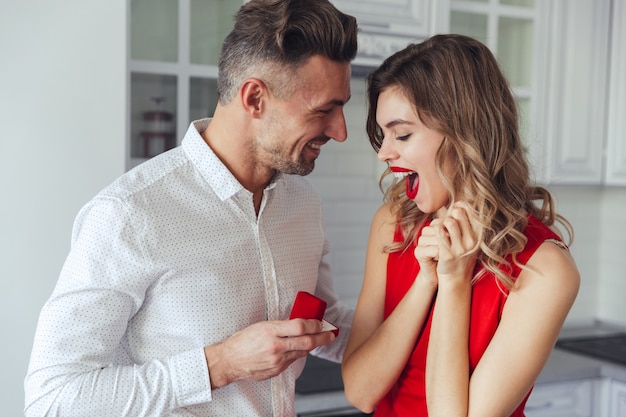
62 110
611 278
597 214
583 206
346 177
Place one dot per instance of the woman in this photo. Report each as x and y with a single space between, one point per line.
467 282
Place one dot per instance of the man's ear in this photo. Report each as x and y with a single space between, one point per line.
253 94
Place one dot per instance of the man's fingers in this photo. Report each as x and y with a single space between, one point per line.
298 327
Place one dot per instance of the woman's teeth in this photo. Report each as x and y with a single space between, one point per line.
401 175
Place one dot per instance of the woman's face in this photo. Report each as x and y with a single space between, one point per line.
409 147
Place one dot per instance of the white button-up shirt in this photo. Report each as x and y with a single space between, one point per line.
169 258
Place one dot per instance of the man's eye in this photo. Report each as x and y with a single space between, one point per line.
326 111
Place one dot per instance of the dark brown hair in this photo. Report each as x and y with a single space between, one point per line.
272 38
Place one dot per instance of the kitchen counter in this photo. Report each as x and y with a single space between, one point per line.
322 401
564 365
561 366
324 376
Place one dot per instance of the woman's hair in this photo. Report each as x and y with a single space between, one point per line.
457 88
273 38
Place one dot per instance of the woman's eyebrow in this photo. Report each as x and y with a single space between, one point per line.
396 122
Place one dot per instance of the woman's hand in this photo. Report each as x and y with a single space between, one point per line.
427 253
448 247
447 358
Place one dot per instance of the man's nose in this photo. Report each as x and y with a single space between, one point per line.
337 128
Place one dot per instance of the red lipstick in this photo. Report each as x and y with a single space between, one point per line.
411 180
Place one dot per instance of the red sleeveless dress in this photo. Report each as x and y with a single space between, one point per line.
407 396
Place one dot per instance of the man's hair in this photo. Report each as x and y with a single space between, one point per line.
273 38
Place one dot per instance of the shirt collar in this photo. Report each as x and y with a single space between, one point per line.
212 169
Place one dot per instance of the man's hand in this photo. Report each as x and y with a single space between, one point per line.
263 350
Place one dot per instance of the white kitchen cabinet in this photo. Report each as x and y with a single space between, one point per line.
617 399
571 121
581 128
386 26
616 135
556 54
172 69
562 399
509 28
174 48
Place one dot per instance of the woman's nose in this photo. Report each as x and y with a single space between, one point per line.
386 152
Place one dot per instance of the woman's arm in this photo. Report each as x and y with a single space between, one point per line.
531 321
532 318
378 349
447 358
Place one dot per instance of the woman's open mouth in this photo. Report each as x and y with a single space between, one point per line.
411 178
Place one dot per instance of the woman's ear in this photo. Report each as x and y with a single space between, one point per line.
253 94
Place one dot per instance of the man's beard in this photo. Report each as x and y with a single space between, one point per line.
283 164
265 148
299 167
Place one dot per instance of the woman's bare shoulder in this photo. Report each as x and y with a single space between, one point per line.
550 275
384 221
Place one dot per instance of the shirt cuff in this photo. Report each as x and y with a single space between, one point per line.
190 378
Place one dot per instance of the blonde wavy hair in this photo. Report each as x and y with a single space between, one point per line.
458 89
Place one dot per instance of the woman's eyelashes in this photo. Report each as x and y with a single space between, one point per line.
403 137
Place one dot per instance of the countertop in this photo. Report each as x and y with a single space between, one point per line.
564 365
561 366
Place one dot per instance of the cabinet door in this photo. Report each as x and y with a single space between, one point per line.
386 26
563 399
508 28
172 69
618 399
573 116
616 147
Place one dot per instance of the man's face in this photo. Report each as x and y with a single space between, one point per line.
294 129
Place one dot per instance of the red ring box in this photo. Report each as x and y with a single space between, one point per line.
308 306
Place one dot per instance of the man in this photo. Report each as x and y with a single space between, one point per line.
175 295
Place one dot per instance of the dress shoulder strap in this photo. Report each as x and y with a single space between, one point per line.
559 243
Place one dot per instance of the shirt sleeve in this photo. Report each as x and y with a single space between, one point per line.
80 364
336 312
